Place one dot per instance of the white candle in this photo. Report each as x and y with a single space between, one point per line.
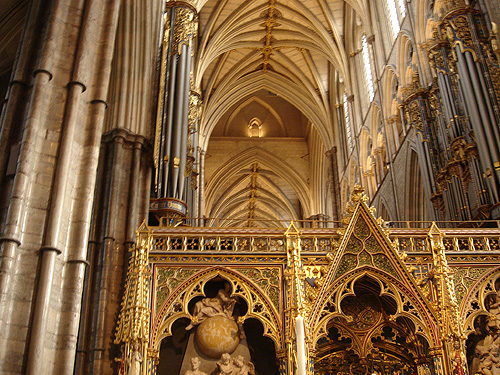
301 346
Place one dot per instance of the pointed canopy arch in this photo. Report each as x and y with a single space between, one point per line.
365 249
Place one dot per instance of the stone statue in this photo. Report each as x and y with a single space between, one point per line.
195 365
234 366
135 361
494 309
221 305
225 366
243 367
489 361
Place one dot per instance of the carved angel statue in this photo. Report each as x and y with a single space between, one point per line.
234 366
221 305
195 367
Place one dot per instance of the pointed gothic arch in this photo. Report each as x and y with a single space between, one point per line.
263 305
365 250
303 98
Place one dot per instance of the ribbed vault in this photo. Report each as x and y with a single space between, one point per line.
256 189
248 54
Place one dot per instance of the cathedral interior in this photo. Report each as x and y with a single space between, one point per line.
250 187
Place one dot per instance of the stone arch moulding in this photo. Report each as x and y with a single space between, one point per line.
175 306
260 102
303 98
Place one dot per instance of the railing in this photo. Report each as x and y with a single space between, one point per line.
410 239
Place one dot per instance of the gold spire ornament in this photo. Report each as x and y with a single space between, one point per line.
446 305
132 331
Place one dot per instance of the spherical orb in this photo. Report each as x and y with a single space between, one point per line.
217 335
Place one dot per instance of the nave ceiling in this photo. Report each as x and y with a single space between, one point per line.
278 62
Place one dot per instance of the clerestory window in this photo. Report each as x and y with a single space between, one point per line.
396 15
367 64
350 140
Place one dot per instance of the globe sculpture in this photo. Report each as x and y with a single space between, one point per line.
217 335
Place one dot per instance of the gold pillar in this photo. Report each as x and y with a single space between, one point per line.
446 305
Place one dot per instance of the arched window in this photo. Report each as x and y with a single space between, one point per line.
350 140
402 9
367 64
396 15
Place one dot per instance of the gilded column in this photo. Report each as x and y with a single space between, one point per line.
296 325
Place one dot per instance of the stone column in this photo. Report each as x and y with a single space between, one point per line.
334 182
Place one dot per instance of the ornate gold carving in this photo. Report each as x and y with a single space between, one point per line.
194 110
438 201
133 322
491 53
161 95
185 3
447 307
459 33
495 41
258 301
193 118
184 259
446 304
295 277
185 28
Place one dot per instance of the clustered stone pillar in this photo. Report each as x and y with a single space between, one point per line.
334 182
178 110
53 180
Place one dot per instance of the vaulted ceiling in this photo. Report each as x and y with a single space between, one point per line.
12 16
276 61
290 48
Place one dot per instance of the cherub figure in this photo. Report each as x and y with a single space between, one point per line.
243 367
225 366
195 367
221 305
